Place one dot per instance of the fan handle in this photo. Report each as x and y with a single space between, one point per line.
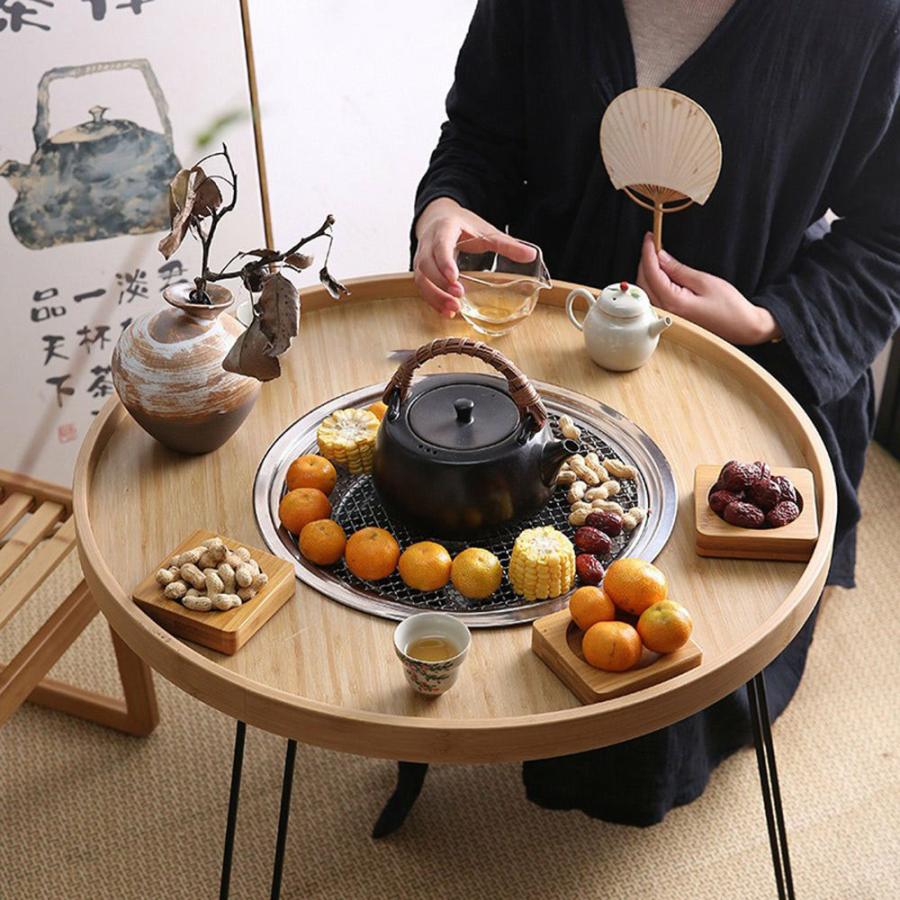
660 196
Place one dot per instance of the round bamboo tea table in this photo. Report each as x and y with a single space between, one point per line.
321 673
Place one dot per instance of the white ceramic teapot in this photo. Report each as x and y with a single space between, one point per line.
621 330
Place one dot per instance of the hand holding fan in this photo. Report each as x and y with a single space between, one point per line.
663 146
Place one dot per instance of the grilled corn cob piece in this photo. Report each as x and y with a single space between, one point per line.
542 563
347 437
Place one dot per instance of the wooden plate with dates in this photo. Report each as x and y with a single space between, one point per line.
716 537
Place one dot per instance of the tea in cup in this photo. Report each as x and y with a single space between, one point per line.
432 647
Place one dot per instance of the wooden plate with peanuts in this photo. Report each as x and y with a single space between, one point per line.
214 591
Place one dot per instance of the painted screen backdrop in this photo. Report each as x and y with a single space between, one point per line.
110 101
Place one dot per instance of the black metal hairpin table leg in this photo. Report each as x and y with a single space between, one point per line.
287 783
768 778
410 778
236 768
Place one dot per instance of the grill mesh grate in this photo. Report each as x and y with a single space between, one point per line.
356 505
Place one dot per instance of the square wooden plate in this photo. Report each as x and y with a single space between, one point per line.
223 630
716 537
556 639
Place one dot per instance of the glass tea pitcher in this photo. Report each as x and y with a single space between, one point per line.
499 292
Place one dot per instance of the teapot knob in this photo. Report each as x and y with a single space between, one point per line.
464 408
97 114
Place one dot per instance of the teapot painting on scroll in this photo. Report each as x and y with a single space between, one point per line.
101 178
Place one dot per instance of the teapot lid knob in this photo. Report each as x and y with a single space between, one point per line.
97 114
464 408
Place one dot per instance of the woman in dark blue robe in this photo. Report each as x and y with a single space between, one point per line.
804 96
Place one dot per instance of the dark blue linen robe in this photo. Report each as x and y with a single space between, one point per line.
804 95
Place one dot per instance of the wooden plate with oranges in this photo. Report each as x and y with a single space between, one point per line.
619 637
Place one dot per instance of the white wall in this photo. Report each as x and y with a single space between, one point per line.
352 97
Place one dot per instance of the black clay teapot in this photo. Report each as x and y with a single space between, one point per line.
100 179
460 455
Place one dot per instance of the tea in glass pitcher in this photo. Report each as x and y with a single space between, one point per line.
499 292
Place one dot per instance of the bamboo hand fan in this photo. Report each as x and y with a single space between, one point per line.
662 149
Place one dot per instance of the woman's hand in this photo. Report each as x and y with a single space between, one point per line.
442 224
705 299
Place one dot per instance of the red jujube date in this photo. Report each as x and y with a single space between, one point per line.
736 476
588 568
782 514
764 493
608 522
744 515
592 540
718 500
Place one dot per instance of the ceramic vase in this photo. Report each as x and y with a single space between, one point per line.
167 371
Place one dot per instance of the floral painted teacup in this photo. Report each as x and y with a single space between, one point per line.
431 676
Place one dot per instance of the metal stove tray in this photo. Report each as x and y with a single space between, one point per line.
356 505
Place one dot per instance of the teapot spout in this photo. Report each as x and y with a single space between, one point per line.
14 171
554 455
658 325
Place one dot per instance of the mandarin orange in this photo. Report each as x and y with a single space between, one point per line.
665 626
611 646
634 584
311 471
371 554
302 506
322 542
378 409
476 573
589 605
425 566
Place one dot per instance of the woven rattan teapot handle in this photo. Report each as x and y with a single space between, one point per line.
520 388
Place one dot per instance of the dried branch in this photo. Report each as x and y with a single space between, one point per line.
217 216
321 231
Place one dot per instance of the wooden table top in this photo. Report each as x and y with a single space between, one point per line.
327 675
